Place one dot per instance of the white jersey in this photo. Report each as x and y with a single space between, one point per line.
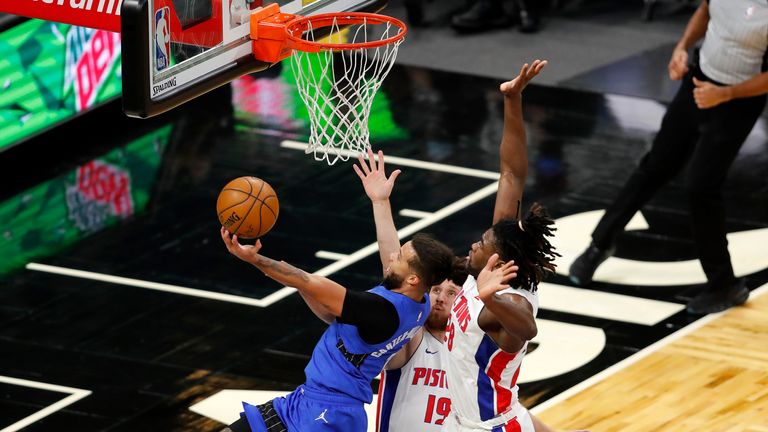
481 377
415 397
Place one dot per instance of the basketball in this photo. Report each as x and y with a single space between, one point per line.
247 207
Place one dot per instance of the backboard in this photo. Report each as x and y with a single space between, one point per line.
176 50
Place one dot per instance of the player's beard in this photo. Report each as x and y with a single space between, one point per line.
473 270
437 322
392 281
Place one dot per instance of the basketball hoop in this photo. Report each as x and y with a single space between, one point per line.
338 80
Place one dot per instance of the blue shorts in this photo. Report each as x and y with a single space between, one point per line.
305 410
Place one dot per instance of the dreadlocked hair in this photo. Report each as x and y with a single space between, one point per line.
525 241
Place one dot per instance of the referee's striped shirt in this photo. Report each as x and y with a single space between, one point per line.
735 47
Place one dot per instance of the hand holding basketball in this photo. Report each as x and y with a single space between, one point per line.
247 207
246 253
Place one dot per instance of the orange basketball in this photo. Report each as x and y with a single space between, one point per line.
247 207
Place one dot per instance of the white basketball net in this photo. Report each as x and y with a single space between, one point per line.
338 87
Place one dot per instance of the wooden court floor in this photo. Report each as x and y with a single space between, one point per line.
714 378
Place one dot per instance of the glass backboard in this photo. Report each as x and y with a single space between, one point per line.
176 50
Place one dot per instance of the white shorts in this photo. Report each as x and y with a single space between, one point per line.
521 422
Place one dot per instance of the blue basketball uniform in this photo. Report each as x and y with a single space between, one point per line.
340 372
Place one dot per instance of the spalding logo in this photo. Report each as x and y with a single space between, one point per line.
231 220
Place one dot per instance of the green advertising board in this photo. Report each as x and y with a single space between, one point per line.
51 216
49 72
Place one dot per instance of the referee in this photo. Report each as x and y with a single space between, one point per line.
720 99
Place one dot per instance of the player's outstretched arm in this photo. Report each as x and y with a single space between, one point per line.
508 319
378 188
317 309
513 154
328 296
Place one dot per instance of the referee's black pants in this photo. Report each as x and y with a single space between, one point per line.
710 139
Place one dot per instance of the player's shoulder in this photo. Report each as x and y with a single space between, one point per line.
530 296
470 284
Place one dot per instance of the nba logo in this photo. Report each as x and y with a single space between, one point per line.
162 38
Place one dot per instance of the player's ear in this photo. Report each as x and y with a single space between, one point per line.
413 279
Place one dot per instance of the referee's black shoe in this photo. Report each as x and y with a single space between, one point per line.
583 268
714 299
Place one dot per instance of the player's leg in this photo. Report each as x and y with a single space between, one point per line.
259 418
241 425
538 425
521 423
307 411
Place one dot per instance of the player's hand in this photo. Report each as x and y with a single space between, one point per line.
678 64
246 253
527 72
494 277
377 186
708 95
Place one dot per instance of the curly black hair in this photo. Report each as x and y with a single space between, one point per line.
433 261
525 241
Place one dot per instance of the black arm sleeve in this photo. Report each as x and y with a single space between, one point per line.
374 316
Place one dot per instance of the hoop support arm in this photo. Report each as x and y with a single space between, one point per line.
270 41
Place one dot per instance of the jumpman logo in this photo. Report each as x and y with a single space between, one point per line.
322 416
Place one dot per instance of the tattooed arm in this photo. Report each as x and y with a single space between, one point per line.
324 296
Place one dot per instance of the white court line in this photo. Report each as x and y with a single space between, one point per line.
330 255
605 305
416 214
594 379
101 277
413 163
75 395
285 291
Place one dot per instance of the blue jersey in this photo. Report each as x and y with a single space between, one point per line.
343 364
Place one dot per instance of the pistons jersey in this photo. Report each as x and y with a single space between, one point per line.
415 397
482 377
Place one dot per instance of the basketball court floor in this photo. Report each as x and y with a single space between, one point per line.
121 310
